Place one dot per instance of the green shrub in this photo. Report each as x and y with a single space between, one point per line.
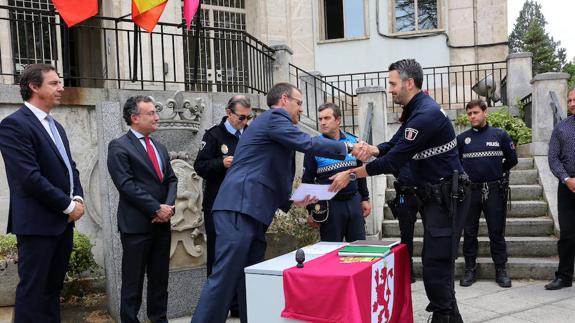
81 259
8 248
515 127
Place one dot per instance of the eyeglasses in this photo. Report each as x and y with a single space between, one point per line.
149 114
242 117
297 101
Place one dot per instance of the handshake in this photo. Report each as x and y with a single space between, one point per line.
364 151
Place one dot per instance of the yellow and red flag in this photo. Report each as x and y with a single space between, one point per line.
74 11
146 13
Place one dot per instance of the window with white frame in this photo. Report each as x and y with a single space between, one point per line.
344 19
415 15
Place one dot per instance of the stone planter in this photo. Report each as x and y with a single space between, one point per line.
8 281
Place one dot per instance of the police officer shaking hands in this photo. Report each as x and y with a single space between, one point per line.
487 155
427 137
342 216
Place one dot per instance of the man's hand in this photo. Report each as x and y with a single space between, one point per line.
364 151
228 161
570 182
306 201
366 207
340 180
164 214
77 213
311 222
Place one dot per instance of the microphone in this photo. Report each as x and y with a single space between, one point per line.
300 258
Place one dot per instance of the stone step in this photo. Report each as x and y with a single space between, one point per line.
517 177
518 192
515 227
524 163
545 246
517 268
519 209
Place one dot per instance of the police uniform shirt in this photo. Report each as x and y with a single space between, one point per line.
217 143
427 138
320 169
486 153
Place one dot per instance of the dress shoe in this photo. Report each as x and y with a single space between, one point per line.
559 283
234 312
501 277
446 318
469 277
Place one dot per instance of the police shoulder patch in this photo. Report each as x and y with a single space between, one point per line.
411 133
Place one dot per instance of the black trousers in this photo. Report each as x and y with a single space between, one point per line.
495 215
42 266
345 221
440 245
145 254
407 207
566 243
240 242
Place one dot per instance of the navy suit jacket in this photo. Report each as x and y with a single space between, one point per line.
37 175
260 179
141 191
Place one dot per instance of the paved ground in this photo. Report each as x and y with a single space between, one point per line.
525 302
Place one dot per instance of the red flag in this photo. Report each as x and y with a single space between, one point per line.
74 11
190 9
149 18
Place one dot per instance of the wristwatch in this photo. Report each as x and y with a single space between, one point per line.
352 177
349 147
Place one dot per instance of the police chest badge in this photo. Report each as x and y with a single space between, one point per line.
467 140
411 134
224 149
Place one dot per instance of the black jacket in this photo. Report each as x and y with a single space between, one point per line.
217 143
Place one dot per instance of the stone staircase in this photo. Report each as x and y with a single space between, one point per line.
531 245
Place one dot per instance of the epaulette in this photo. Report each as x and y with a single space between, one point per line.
212 127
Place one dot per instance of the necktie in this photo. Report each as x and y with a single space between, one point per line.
153 158
237 134
61 149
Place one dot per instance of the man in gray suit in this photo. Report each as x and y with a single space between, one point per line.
258 183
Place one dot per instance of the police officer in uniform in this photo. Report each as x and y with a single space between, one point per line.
214 158
487 154
343 216
405 207
427 137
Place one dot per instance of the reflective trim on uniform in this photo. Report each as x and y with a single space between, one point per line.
336 166
436 150
478 154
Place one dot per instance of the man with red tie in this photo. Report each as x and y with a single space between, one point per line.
141 171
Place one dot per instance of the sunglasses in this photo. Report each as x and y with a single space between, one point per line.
242 117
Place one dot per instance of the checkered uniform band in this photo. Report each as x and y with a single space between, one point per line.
436 150
336 166
479 154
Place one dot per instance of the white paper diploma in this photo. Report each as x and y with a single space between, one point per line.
317 190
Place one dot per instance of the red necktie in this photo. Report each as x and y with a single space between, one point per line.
153 158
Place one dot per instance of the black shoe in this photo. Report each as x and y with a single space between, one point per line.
559 283
446 318
469 277
501 278
234 312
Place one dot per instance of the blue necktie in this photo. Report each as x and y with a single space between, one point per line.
61 149
238 134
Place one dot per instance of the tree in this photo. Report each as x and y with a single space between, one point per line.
529 35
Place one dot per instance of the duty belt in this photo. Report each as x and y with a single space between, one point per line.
404 189
478 186
344 197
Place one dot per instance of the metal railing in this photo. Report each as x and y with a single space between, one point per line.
316 91
450 86
112 52
527 109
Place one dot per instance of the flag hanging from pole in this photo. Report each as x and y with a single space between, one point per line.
190 9
74 11
146 13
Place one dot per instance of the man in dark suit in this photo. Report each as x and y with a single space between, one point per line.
140 168
257 184
45 194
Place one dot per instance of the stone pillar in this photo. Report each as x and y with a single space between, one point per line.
519 73
542 114
376 96
281 64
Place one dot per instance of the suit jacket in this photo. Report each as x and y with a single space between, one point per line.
261 177
37 175
141 191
